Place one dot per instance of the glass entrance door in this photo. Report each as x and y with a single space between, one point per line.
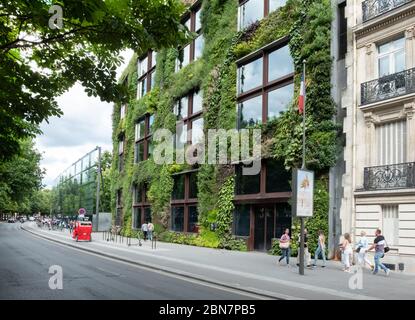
264 227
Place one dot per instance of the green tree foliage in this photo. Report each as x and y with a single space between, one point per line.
38 63
105 190
20 179
41 201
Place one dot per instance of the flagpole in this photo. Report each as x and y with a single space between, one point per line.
304 115
302 244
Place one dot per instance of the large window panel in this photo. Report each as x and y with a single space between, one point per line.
249 12
193 185
137 218
242 220
279 100
246 184
181 134
275 4
192 219
178 187
197 101
250 112
197 131
139 152
181 108
139 130
280 63
177 219
277 177
147 214
283 218
250 75
199 43
142 67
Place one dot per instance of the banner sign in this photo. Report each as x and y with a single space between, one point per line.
303 193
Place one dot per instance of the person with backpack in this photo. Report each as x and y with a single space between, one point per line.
150 229
380 246
285 246
321 247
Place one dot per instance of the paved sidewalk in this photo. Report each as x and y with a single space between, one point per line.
253 271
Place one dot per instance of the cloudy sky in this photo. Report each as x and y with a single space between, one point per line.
85 124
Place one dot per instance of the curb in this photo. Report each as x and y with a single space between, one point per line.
172 271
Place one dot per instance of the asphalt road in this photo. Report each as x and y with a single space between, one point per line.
25 261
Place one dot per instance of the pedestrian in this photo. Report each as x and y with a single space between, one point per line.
307 256
321 248
144 228
285 246
150 228
347 251
361 251
380 248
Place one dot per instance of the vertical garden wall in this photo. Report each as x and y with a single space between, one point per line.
307 24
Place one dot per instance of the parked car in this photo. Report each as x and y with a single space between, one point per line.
11 220
31 219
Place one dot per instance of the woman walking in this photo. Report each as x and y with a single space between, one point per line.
361 251
321 247
285 246
347 251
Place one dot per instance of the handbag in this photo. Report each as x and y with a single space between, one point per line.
284 245
386 249
358 249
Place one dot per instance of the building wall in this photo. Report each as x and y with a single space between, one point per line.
392 209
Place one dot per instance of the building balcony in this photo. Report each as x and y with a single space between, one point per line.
374 8
389 177
387 87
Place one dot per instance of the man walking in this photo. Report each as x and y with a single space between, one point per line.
379 245
144 228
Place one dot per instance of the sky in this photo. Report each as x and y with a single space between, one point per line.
84 125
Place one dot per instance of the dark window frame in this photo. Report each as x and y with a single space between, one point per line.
147 75
142 204
146 140
187 201
191 15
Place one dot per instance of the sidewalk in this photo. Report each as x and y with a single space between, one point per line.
252 271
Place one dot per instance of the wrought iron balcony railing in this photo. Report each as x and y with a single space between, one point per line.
374 8
390 86
395 176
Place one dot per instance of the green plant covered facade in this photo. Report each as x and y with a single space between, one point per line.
228 208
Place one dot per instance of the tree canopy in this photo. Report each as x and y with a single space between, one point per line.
39 63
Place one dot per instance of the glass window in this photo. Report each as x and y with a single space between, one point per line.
187 24
280 63
242 220
153 80
121 147
139 152
391 57
277 177
181 107
186 56
153 58
275 4
178 187
283 218
197 101
139 130
193 185
250 112
279 100
147 214
198 22
192 220
199 43
142 88
177 219
150 123
150 147
250 75
138 194
142 67
246 184
249 12
181 134
137 217
197 131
